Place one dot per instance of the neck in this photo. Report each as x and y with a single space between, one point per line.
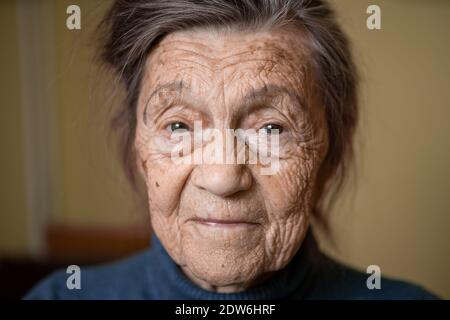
231 288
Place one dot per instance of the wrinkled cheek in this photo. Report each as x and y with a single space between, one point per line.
165 183
290 206
291 187
289 237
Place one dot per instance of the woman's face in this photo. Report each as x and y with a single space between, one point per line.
228 225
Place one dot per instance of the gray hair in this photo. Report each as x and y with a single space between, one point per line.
133 27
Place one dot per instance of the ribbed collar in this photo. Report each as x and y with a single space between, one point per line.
293 281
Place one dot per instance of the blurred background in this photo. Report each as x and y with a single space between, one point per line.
65 200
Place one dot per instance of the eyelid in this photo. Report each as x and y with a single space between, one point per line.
176 113
301 126
279 120
179 102
159 113
173 101
273 122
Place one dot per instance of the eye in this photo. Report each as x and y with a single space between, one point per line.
271 128
178 127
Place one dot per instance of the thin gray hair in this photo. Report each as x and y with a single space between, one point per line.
132 28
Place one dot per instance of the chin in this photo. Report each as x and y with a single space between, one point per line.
224 265
221 273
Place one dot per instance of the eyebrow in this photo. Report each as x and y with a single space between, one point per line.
249 98
268 90
176 86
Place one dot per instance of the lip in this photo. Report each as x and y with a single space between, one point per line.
222 222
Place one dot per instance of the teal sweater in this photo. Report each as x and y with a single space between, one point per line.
152 274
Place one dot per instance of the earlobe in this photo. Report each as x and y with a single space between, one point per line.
141 165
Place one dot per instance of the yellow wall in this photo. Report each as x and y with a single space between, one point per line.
93 187
398 217
13 216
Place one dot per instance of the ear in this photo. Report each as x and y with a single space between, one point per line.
324 175
141 165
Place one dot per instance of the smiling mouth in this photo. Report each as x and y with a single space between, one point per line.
222 223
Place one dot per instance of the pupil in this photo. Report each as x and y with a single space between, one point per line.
271 127
178 126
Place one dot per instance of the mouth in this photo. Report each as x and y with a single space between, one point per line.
222 223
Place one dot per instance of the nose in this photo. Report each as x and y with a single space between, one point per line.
222 180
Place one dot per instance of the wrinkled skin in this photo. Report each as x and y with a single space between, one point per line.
217 70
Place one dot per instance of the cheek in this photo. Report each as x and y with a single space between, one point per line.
288 200
165 182
164 179
291 187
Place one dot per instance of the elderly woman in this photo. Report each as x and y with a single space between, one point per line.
229 229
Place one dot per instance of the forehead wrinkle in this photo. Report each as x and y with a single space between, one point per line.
232 64
213 54
176 52
260 50
274 53
189 74
275 82
272 58
209 68
267 66
170 42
